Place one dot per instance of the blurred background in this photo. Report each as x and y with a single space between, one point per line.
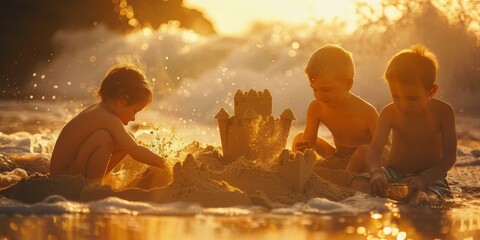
197 53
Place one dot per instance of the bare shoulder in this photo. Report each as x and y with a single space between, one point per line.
389 111
364 106
92 118
98 113
314 108
315 104
440 105
442 109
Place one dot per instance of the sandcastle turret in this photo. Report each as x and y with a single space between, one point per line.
189 169
296 168
285 122
261 102
222 118
252 131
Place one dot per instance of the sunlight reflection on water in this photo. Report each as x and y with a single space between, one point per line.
265 226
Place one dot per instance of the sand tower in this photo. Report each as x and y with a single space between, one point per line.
296 168
252 131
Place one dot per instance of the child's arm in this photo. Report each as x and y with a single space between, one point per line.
378 180
372 122
311 127
449 147
137 152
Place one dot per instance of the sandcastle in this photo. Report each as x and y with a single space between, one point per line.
252 131
296 168
254 134
193 184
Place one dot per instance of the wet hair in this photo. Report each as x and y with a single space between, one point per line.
125 81
416 64
330 60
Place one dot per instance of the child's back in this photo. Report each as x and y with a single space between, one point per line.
75 133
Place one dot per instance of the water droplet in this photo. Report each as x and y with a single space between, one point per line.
259 43
295 45
376 215
144 46
401 235
130 14
292 53
288 73
133 22
361 230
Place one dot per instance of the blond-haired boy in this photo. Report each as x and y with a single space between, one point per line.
424 141
350 119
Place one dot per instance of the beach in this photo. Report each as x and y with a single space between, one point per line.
252 201
230 171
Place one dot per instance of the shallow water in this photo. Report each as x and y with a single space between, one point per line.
425 224
28 133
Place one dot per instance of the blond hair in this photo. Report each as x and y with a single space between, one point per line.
416 64
331 59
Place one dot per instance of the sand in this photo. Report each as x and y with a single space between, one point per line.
263 174
202 177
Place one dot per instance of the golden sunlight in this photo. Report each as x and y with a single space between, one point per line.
235 17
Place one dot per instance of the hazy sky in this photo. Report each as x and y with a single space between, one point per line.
233 17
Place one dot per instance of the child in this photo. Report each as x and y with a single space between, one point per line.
95 141
350 119
423 131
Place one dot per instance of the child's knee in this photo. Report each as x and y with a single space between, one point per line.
104 138
298 138
362 149
360 184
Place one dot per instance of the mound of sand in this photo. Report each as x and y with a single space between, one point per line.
37 187
251 177
254 178
191 183
8 179
241 182
30 162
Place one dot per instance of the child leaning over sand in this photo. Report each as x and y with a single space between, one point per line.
350 119
95 141
424 141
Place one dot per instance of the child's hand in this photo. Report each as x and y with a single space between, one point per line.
302 146
378 183
416 183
